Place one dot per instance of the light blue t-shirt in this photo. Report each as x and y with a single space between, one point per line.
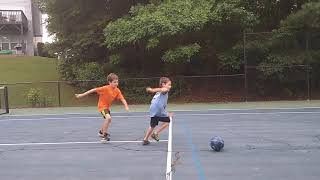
159 104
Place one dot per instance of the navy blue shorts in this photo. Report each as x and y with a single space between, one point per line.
155 120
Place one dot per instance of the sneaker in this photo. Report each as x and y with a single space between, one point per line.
100 134
106 137
145 142
155 136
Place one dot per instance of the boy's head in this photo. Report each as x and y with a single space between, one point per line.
165 82
113 80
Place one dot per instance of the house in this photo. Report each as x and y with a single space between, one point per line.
20 26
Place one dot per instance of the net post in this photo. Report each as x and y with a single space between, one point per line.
169 155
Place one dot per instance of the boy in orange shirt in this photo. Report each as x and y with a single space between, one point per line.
107 94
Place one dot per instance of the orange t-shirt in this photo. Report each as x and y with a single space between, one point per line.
107 95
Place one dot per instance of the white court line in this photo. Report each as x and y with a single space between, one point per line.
67 143
178 110
186 114
69 118
62 114
253 113
245 109
169 155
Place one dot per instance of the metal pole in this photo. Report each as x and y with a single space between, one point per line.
245 66
21 37
308 66
6 99
59 94
308 77
180 86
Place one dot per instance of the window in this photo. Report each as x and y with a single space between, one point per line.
13 46
12 18
24 46
5 46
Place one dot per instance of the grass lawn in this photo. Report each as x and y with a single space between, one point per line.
15 70
28 69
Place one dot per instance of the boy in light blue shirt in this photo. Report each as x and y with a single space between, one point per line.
158 111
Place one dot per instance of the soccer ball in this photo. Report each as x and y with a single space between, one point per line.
217 143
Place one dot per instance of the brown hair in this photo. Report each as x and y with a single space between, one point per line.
111 77
163 80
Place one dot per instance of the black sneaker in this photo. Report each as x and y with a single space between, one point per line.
106 137
145 142
155 136
100 134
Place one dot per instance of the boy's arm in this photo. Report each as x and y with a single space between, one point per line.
124 102
85 93
155 90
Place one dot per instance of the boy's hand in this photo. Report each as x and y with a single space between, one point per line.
148 89
127 108
171 114
78 96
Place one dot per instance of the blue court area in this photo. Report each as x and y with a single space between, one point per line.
259 144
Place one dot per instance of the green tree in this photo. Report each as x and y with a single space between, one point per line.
152 37
177 30
295 42
78 27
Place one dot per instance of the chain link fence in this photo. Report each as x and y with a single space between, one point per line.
215 88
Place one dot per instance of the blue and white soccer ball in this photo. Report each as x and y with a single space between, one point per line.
217 143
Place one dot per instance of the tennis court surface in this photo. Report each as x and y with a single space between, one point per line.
259 144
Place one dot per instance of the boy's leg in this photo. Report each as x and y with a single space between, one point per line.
107 117
165 123
162 127
106 124
153 123
155 135
146 138
150 130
